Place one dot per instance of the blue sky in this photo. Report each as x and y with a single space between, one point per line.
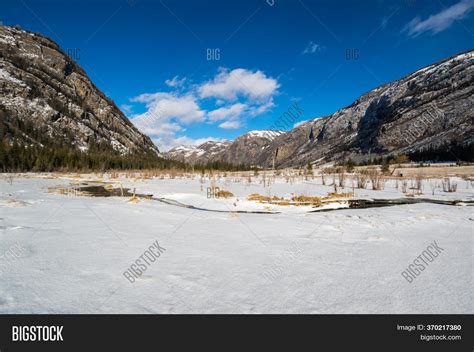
189 71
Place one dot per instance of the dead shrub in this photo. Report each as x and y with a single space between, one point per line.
404 186
342 178
361 181
448 185
224 194
376 179
418 182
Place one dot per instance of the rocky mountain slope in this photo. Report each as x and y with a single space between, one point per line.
44 93
202 154
43 89
430 109
243 150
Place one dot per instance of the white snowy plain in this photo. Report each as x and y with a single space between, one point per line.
76 249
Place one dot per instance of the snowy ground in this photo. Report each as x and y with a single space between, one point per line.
66 254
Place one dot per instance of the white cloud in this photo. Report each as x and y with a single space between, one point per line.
260 109
223 113
164 106
235 114
254 89
166 114
313 48
229 85
175 82
153 129
231 124
440 21
239 94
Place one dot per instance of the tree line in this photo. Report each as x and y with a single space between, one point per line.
24 147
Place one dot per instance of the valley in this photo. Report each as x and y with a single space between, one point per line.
219 257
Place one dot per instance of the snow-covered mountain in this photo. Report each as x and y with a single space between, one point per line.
243 150
205 152
44 92
429 112
267 134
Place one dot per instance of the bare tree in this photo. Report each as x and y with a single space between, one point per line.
342 178
448 185
361 181
433 185
375 179
404 186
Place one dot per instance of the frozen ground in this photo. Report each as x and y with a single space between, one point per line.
73 251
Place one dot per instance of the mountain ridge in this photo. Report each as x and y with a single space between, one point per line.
46 96
235 152
42 86
432 107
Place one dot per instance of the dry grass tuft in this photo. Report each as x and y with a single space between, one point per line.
224 194
298 200
260 198
133 200
334 195
306 200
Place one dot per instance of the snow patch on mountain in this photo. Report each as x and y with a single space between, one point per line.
270 134
4 75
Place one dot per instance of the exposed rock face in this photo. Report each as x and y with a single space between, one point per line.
244 150
202 154
430 108
247 148
42 86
